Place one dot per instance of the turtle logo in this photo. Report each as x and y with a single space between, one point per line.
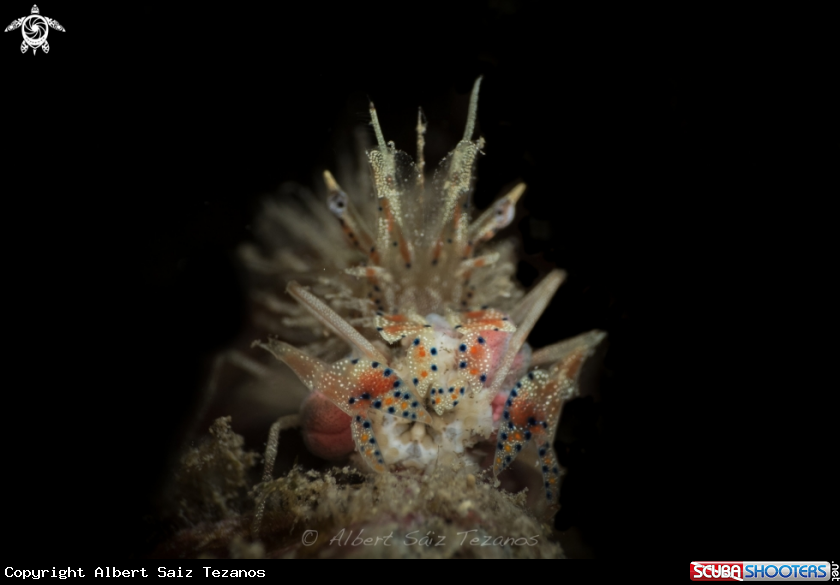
35 29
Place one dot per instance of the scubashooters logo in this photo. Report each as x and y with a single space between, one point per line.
761 571
35 29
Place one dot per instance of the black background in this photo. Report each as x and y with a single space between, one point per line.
135 153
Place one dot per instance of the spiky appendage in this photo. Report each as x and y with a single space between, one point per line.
533 407
423 302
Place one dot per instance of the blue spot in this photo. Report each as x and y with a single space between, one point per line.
458 326
507 458
531 421
530 375
508 403
545 468
414 404
355 361
387 372
366 425
391 410
433 391
513 393
414 416
545 425
504 436
519 384
365 396
352 401
358 419
434 368
417 341
451 390
397 394
372 441
455 403
555 470
397 385
415 380
483 377
434 351
481 340
379 329
462 347
527 435
405 413
462 391
462 365
377 404
406 395
519 448
507 415
377 453
510 425
374 364
499 446
542 452
548 485
548 495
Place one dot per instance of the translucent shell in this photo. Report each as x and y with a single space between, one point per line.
420 364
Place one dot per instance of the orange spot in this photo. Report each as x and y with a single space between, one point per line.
389 401
422 353
365 438
370 272
479 263
404 405
473 371
473 350
437 400
424 373
517 436
521 411
404 250
507 448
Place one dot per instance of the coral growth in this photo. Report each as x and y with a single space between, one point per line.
447 513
